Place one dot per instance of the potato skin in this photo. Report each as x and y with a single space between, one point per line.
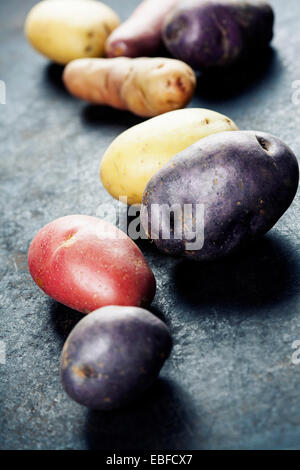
113 355
140 35
138 153
67 30
217 33
246 180
87 263
145 86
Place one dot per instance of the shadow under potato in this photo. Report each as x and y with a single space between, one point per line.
225 83
53 75
96 115
63 318
265 272
156 421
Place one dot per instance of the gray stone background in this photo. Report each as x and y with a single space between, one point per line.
230 382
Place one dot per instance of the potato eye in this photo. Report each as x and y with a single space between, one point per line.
265 145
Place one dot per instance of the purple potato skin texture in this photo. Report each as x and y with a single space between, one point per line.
113 355
218 33
246 180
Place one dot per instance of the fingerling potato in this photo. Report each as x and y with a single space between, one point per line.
145 86
140 35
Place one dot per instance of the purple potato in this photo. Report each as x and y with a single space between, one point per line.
244 181
217 33
113 355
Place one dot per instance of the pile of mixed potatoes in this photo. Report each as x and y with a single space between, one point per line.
243 180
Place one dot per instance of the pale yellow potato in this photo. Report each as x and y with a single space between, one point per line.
146 86
64 30
138 153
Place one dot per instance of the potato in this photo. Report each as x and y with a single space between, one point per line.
67 30
206 33
146 86
238 185
140 35
138 153
113 355
86 263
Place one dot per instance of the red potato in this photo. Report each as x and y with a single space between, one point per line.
87 263
140 35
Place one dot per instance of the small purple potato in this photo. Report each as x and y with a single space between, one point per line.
113 355
216 33
229 188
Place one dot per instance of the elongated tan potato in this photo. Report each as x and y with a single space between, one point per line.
64 30
144 86
138 153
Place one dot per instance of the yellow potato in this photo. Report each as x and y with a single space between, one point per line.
138 153
67 30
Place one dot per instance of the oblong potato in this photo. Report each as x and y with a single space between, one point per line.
205 33
68 30
140 34
223 192
138 153
145 86
87 263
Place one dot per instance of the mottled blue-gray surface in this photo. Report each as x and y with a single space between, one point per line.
230 382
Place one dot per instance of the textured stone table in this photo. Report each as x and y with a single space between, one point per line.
230 382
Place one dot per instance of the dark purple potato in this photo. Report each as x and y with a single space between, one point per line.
214 33
113 355
241 181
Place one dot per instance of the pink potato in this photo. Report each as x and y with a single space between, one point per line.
140 34
87 263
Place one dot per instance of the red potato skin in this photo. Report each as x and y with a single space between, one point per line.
87 263
140 35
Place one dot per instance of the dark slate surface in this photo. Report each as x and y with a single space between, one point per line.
230 382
